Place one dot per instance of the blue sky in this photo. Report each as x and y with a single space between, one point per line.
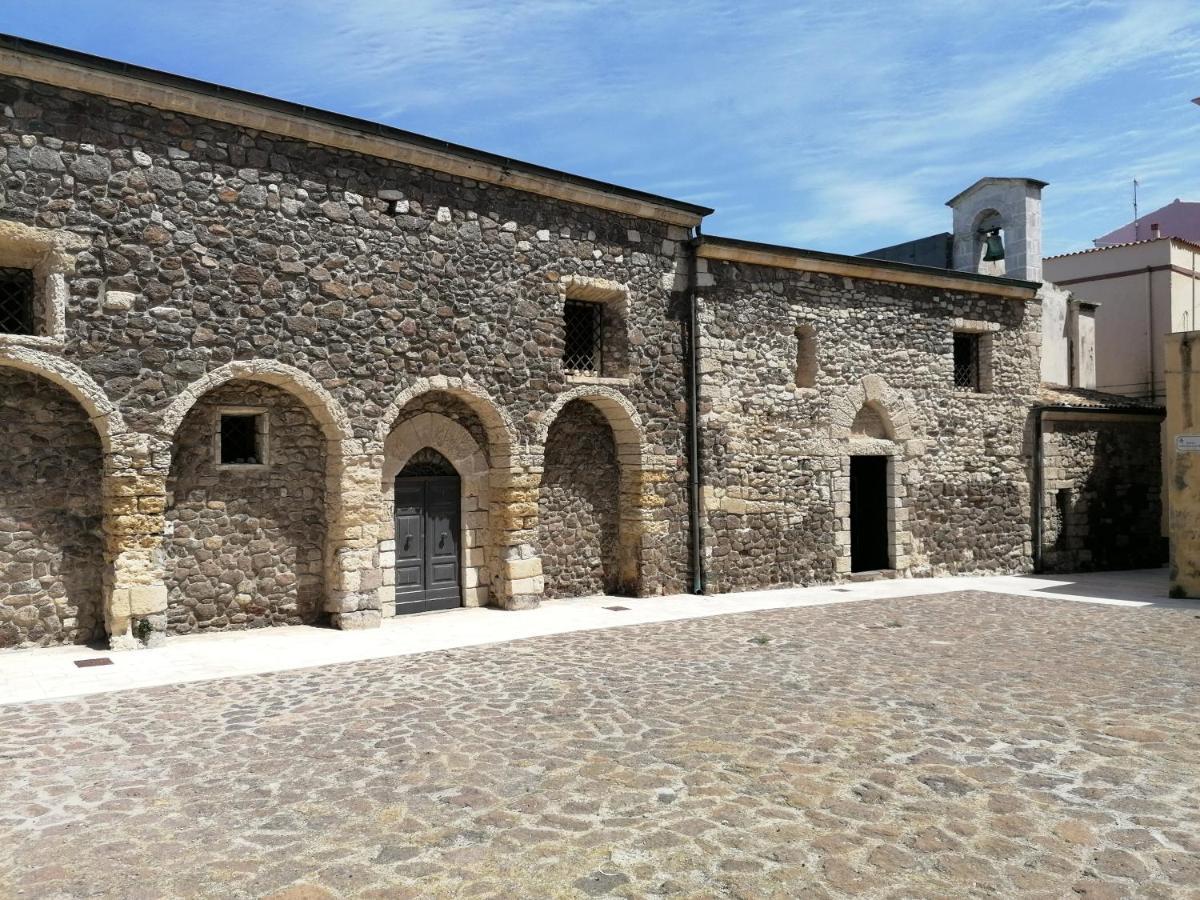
833 126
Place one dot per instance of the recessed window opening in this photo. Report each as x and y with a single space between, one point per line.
966 362
584 349
241 440
16 301
806 356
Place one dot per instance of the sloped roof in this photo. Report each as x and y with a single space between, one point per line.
1179 219
1193 244
1084 398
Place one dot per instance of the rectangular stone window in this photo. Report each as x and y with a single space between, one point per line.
967 370
583 323
17 301
242 438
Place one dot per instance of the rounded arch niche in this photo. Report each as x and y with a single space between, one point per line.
594 463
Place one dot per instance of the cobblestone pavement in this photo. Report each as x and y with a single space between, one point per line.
960 745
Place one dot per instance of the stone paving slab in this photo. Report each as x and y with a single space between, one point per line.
961 745
51 672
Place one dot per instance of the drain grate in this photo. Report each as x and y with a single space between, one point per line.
843 590
617 608
96 661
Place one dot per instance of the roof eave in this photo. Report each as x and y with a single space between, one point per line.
773 255
83 72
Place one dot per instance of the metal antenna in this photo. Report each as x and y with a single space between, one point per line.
1135 210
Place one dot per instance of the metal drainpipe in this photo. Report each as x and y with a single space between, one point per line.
1038 446
693 404
1150 329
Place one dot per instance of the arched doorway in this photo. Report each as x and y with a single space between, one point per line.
428 498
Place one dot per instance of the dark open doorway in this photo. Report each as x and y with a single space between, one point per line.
868 514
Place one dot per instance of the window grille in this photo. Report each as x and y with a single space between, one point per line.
16 301
966 362
240 441
584 342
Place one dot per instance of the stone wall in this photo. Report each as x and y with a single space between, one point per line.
1102 497
578 505
439 403
51 546
205 245
199 249
776 454
246 547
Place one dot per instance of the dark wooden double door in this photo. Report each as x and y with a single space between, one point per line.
427 543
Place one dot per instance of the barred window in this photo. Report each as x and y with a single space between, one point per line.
241 440
16 301
966 362
583 326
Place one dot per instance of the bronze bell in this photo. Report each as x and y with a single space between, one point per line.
994 246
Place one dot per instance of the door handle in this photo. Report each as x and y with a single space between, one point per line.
407 540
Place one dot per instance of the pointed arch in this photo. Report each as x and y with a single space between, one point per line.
874 393
872 421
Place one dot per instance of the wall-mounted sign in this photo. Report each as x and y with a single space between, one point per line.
1187 443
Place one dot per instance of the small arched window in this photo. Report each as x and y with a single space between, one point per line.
806 356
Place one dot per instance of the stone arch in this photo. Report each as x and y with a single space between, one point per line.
132 493
502 442
51 515
873 419
893 409
351 571
622 417
104 414
512 563
461 450
325 409
245 544
636 475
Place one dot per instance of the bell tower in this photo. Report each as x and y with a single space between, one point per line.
998 228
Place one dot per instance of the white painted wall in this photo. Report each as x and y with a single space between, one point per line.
1055 337
1124 333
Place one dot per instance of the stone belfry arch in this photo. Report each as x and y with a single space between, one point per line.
1012 205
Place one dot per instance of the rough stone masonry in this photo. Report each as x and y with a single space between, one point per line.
365 295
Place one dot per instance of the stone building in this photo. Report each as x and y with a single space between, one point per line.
266 365
1097 500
